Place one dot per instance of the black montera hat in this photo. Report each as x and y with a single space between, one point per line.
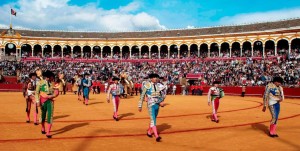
32 74
278 79
48 74
115 78
216 82
153 75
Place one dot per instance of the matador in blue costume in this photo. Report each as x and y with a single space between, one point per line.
152 90
272 97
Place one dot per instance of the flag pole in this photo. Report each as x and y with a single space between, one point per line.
10 25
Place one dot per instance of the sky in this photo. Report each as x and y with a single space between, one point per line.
142 15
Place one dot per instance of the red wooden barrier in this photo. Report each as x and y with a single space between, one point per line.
250 91
10 79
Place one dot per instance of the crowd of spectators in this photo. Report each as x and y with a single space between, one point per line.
230 73
295 53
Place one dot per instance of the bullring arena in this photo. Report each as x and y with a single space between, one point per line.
184 123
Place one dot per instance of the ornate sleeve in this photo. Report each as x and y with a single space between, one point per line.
208 95
222 94
281 93
37 92
266 95
108 91
142 97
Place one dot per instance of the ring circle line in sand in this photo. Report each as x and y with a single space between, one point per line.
143 118
139 134
136 135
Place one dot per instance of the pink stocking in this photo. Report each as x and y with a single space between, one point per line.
216 101
149 130
155 131
35 114
215 117
48 129
43 126
117 99
28 109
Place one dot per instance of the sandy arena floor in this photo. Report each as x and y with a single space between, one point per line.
184 125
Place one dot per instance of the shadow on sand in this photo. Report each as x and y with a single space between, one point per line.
69 128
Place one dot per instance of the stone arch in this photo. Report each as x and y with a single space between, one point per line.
173 51
282 46
183 51
236 49
214 49
258 48
194 51
145 52
116 52
10 49
247 49
204 50
135 52
164 51
26 50
87 51
96 52
106 53
154 52
125 52
67 51
270 48
77 52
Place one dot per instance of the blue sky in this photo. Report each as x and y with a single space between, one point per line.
133 15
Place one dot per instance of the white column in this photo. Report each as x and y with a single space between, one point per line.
230 51
290 47
52 52
1 52
129 54
252 47
158 53
263 45
275 50
91 53
72 54
199 51
241 51
121 55
140 53
168 52
189 52
208 55
62 52
219 50
17 52
178 53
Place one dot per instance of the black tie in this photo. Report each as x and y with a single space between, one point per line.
154 87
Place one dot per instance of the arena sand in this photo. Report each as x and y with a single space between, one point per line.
184 124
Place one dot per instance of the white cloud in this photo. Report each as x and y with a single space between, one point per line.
190 27
261 16
58 14
131 7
